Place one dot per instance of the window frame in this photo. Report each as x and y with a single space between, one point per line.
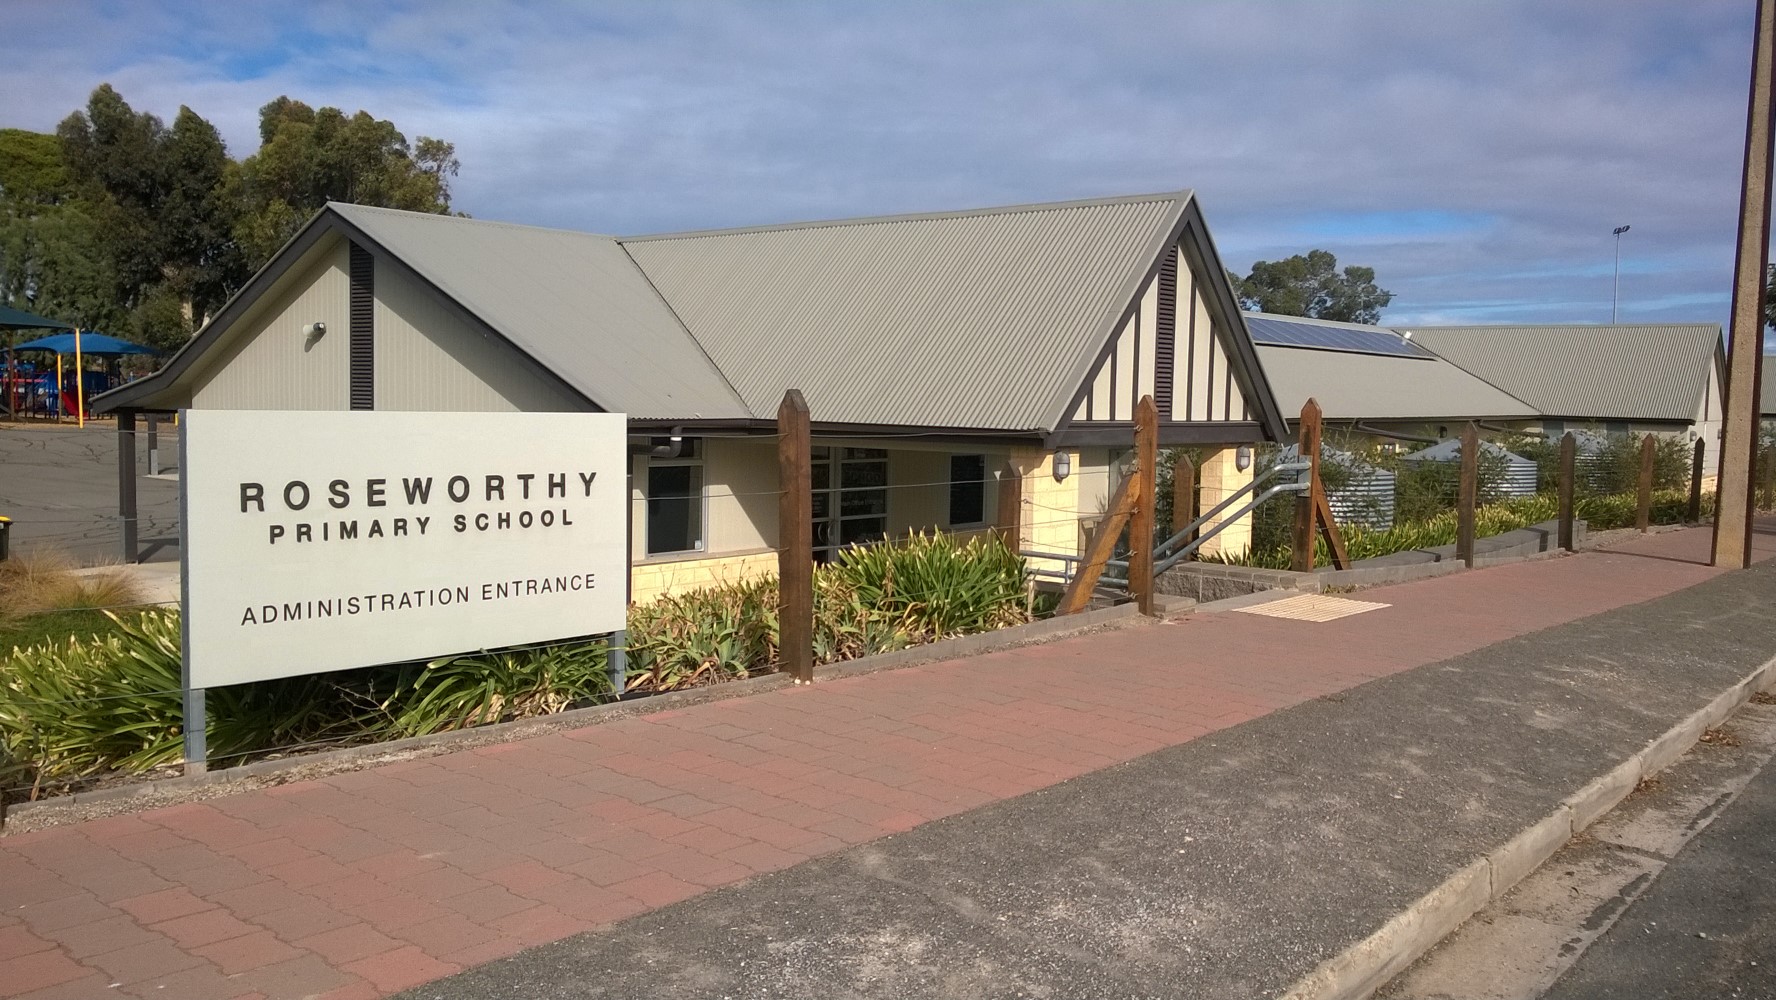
694 459
950 500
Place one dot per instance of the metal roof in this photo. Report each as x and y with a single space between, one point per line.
982 319
1363 385
1652 372
574 302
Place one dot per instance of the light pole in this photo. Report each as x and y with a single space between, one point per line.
1616 290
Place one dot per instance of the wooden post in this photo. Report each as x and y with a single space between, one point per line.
1568 460
1100 546
1469 497
795 540
1643 505
1306 507
1329 527
1694 515
1009 520
1143 520
1183 496
1733 504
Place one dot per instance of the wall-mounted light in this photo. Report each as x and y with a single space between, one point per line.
1063 465
1242 457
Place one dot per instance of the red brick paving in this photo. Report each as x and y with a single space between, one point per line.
363 884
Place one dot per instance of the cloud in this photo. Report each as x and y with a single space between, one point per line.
1476 155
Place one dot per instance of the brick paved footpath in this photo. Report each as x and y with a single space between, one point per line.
365 883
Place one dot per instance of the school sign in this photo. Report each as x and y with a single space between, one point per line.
320 541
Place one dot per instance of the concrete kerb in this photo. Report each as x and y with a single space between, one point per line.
1365 966
155 793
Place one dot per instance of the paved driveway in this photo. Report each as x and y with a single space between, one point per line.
58 483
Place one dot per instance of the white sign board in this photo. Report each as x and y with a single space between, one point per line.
320 541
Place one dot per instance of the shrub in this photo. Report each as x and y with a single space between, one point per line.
90 705
932 585
874 599
702 636
1600 513
475 689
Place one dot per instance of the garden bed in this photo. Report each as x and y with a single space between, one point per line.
84 708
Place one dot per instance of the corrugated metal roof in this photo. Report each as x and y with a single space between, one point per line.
573 301
1653 372
1360 386
960 319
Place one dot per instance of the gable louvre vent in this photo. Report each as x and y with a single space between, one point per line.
363 342
1165 333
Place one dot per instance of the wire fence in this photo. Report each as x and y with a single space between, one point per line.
868 497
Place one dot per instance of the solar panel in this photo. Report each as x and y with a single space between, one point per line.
1281 332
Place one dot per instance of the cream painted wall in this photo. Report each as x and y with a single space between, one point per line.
270 365
740 498
740 493
919 499
428 358
1709 416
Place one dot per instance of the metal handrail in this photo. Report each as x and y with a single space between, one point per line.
1164 557
1159 551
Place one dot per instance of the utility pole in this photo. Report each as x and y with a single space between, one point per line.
1732 519
1616 289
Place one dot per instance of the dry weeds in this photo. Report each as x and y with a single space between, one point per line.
47 580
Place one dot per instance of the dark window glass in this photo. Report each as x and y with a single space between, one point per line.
854 531
675 508
968 489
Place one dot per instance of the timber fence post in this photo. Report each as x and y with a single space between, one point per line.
1568 460
1694 514
1142 522
1643 501
1470 495
1009 519
1302 539
795 539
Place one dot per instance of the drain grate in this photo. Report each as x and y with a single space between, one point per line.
1312 608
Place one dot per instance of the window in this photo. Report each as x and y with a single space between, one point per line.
968 489
675 503
850 498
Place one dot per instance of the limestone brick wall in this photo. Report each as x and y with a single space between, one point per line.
650 580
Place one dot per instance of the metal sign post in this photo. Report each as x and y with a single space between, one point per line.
195 718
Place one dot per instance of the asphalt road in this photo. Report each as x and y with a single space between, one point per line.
1707 927
1225 867
58 483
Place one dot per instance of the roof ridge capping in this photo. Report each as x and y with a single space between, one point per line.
1180 197
348 209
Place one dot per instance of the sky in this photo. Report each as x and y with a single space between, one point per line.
1476 154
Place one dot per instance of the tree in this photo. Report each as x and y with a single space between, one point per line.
159 200
1311 285
122 223
307 158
